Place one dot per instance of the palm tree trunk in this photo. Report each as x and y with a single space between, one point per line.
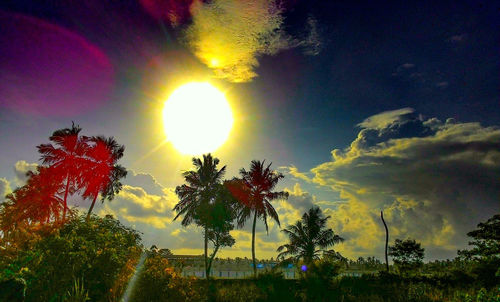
253 245
386 241
65 198
91 207
206 254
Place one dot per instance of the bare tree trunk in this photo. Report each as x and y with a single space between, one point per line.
386 241
253 245
91 207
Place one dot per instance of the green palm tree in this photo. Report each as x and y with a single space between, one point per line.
101 173
308 237
196 195
255 192
65 158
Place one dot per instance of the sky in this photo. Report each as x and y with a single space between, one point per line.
363 106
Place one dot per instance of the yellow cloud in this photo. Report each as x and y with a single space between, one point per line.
229 35
135 205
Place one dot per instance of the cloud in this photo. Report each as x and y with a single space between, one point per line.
20 169
144 180
424 173
384 119
146 205
300 200
134 204
294 172
4 188
228 36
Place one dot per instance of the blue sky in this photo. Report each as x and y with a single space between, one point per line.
363 106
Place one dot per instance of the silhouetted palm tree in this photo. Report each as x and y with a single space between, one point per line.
308 237
255 191
100 172
65 158
199 191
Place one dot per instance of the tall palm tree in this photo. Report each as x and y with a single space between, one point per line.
199 191
64 158
255 192
308 237
101 174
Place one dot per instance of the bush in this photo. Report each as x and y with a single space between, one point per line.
159 281
317 281
102 252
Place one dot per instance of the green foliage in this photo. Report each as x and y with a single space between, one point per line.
308 237
486 240
239 292
102 252
159 281
406 254
12 290
318 279
77 293
202 200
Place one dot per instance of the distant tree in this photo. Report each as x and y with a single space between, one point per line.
200 190
309 237
165 252
485 253
486 240
65 158
407 254
255 192
100 172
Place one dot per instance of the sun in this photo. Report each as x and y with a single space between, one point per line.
197 118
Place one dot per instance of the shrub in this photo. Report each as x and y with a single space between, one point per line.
159 281
101 251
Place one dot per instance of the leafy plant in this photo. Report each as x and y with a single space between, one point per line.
78 293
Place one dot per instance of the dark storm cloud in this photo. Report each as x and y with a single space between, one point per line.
434 180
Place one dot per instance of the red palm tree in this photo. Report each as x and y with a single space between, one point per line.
35 203
65 158
255 192
100 172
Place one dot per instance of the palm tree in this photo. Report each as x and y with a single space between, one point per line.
42 201
255 192
101 174
308 237
65 158
198 193
32 205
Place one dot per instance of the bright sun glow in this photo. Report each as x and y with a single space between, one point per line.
197 118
